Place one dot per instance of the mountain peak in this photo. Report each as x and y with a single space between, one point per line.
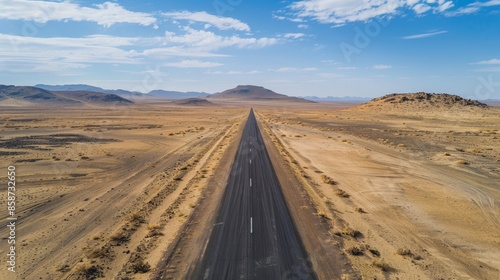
252 92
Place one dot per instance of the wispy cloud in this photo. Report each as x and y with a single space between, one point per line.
223 23
472 8
193 64
105 14
293 35
425 35
61 53
493 61
340 12
381 67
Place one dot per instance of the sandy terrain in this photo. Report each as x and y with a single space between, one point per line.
130 192
410 195
99 189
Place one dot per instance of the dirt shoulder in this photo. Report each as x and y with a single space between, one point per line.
401 211
325 254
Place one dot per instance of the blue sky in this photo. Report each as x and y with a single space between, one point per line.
310 47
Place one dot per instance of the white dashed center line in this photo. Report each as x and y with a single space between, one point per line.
251 225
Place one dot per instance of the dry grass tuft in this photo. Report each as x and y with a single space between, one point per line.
355 251
351 232
385 267
341 193
404 252
139 266
328 180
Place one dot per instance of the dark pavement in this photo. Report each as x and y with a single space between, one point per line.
254 236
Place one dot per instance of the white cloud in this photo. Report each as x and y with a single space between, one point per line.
381 67
105 14
421 8
193 64
303 26
425 35
294 35
493 61
207 41
472 8
59 53
339 12
223 23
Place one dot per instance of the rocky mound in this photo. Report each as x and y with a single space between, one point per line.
193 102
420 101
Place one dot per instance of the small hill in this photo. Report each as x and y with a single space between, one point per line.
253 93
93 97
420 102
193 102
26 95
33 96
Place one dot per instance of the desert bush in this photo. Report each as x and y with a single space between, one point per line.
385 267
341 193
404 252
119 238
360 210
89 271
328 180
351 232
139 266
137 218
355 251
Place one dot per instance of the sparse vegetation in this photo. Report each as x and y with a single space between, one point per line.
355 251
385 267
341 193
351 232
404 252
328 180
119 238
137 218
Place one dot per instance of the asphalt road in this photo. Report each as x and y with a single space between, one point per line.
254 236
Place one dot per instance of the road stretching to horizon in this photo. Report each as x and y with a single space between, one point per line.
254 236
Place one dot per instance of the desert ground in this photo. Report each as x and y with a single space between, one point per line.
377 192
409 194
102 191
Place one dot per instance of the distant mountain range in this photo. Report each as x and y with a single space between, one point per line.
125 93
27 95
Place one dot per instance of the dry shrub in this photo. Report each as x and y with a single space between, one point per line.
341 193
137 218
351 232
355 251
139 266
119 238
385 267
89 271
404 252
328 180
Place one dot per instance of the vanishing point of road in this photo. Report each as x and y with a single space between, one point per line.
254 236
